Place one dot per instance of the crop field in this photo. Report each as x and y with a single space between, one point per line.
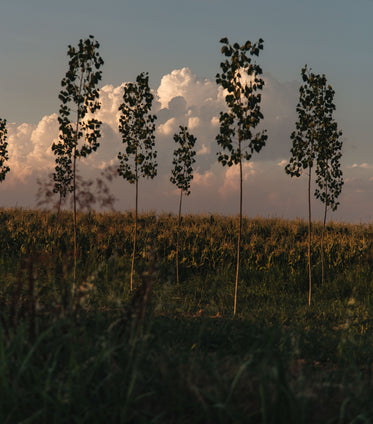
93 351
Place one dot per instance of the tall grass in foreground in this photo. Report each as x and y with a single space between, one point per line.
179 370
166 352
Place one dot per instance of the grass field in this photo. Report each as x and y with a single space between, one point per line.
169 353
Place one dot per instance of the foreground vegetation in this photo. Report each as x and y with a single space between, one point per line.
171 352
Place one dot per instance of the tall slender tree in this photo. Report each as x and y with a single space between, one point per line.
240 78
316 142
79 133
3 150
137 126
182 174
329 174
304 144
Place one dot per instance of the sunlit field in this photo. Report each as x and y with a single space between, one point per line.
173 353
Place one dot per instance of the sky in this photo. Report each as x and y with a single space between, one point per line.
177 42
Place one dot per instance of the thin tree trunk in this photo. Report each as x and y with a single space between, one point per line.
74 219
309 237
74 182
239 238
322 238
59 207
135 235
177 238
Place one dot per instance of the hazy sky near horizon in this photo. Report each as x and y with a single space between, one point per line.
177 42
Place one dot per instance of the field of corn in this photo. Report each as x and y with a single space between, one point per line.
172 353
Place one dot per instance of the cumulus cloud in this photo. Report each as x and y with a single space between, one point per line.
168 128
29 147
204 150
205 179
231 182
184 83
282 163
111 98
362 165
193 122
184 99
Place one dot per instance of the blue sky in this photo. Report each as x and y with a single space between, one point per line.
160 36
332 36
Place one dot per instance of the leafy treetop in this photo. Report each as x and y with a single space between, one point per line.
307 133
240 78
3 150
317 138
137 127
181 174
80 96
329 174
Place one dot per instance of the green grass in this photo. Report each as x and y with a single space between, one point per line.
111 356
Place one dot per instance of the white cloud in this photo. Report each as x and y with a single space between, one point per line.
362 166
214 121
204 150
168 127
111 98
206 179
29 147
193 122
231 182
182 82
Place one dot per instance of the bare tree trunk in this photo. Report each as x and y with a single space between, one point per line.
74 182
59 206
239 238
177 238
309 237
135 235
322 238
74 219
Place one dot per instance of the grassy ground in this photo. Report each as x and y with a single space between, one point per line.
171 353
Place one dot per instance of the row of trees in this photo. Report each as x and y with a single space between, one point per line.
79 136
317 142
316 139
